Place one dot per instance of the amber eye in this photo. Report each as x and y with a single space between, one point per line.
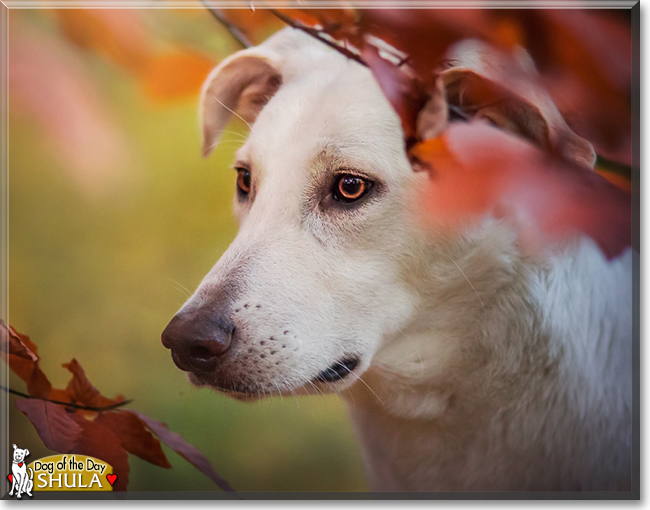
349 188
243 181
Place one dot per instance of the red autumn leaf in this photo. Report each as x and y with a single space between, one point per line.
54 425
134 435
585 57
190 453
425 34
616 179
477 169
19 345
22 356
82 391
340 23
100 442
404 92
506 89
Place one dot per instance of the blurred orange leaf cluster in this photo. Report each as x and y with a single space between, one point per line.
120 36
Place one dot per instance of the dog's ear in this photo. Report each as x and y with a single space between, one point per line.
15 447
506 91
240 85
26 452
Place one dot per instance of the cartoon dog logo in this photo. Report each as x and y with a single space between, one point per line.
20 481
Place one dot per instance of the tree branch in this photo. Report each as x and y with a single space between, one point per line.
317 34
234 31
68 404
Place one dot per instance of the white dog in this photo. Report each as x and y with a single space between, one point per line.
21 481
467 365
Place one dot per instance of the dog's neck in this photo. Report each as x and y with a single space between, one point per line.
494 357
468 293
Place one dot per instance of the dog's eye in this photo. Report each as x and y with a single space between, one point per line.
349 188
243 181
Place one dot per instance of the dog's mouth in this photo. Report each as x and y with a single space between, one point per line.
338 371
252 391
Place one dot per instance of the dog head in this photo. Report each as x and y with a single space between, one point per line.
20 454
324 271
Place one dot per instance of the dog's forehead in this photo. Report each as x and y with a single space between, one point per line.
337 109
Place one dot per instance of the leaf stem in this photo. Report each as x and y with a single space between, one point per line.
98 409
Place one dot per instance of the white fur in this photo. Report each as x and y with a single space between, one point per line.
480 369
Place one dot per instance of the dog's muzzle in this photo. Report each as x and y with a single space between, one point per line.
197 342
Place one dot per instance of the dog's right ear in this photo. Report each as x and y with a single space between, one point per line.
15 447
240 85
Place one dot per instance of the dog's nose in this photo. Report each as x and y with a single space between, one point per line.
197 342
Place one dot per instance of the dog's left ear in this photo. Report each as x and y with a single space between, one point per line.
240 85
506 90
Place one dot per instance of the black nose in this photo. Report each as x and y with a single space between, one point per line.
197 341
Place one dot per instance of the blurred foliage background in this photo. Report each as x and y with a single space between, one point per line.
115 218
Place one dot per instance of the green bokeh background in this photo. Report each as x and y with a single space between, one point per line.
97 276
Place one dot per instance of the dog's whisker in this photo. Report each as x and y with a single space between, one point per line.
465 276
181 287
232 111
279 390
365 383
318 390
225 131
354 404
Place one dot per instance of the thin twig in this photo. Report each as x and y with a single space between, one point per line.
317 34
68 404
234 31
458 111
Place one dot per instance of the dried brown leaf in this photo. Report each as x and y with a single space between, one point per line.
134 435
54 425
190 453
100 442
82 391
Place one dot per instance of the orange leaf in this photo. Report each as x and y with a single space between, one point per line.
82 391
175 75
134 435
117 34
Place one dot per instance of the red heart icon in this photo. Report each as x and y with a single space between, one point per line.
11 478
111 479
20 465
